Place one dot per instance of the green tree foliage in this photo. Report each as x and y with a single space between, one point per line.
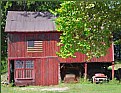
4 7
87 27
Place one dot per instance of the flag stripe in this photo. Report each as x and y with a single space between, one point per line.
38 41
34 48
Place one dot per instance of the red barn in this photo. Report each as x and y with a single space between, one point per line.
32 47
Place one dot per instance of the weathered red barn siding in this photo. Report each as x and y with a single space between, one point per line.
46 63
45 68
19 46
46 71
24 82
82 57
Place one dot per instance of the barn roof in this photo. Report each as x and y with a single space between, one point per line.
22 21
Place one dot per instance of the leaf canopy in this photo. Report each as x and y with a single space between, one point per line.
87 27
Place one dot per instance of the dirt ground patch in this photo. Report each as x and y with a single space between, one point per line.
59 89
55 89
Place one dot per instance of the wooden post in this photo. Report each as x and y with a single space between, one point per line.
85 70
113 70
8 71
59 76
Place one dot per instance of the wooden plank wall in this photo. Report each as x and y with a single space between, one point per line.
46 68
46 71
82 58
17 47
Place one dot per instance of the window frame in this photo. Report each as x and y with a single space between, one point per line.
22 71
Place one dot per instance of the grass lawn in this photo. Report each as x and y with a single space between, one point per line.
66 88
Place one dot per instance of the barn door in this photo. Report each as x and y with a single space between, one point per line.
51 74
46 71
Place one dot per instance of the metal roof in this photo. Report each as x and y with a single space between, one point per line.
22 21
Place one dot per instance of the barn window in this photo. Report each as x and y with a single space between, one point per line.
19 64
34 46
24 69
29 64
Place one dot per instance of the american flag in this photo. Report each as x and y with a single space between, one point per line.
34 46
